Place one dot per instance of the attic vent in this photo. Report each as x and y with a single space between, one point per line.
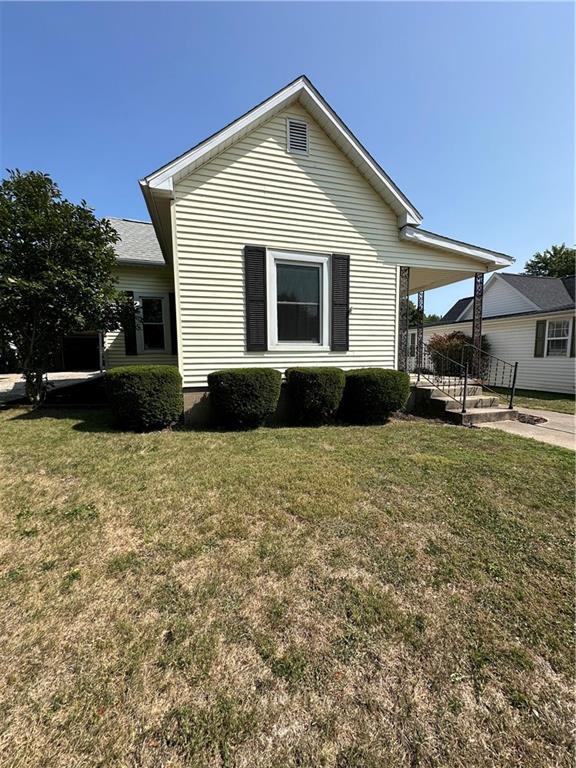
297 137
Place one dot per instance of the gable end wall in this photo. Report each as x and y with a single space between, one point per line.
257 193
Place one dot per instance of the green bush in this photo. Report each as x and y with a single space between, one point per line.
314 393
243 398
372 394
145 397
449 351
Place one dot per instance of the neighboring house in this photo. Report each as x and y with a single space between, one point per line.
526 319
283 243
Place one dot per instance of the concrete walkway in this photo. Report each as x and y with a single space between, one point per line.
12 384
558 429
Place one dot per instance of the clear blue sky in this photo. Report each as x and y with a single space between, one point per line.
469 107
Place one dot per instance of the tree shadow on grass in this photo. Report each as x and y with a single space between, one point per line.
88 419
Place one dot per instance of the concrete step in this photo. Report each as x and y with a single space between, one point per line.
481 415
456 390
472 401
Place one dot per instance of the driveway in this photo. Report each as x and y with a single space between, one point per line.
558 429
12 384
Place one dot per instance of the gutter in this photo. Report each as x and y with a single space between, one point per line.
567 308
433 240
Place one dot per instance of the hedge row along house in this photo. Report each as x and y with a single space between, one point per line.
279 241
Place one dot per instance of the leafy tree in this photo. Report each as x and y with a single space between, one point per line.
56 262
557 261
413 315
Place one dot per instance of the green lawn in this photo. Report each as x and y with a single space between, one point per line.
339 597
546 401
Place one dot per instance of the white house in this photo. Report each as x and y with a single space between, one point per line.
278 241
526 319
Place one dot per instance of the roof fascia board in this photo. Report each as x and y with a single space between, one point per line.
433 240
509 316
125 261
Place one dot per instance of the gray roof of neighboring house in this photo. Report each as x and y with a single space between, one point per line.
456 310
548 293
138 242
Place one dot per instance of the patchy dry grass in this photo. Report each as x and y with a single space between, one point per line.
339 597
545 401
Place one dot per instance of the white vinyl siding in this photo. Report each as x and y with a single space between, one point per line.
143 281
512 339
501 299
257 193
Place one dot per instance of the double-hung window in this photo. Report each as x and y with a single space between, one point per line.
153 336
557 338
298 305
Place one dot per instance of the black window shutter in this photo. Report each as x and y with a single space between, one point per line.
173 329
540 339
572 337
255 290
129 328
340 302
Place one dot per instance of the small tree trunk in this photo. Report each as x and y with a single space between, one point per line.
35 386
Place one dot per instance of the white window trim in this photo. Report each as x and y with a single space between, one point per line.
165 320
323 260
290 120
558 338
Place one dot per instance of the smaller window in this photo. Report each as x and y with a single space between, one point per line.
412 351
557 338
297 137
153 336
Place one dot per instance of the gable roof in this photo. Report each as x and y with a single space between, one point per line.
456 310
299 90
158 186
138 243
547 293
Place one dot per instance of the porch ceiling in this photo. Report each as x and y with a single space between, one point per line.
423 279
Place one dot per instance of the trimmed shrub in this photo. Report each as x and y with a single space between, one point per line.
314 393
372 394
145 397
243 398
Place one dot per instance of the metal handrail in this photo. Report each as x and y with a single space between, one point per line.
488 354
442 372
501 372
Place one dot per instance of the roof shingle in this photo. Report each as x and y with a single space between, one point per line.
548 293
456 310
137 242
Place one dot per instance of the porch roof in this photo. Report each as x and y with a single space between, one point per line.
456 259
